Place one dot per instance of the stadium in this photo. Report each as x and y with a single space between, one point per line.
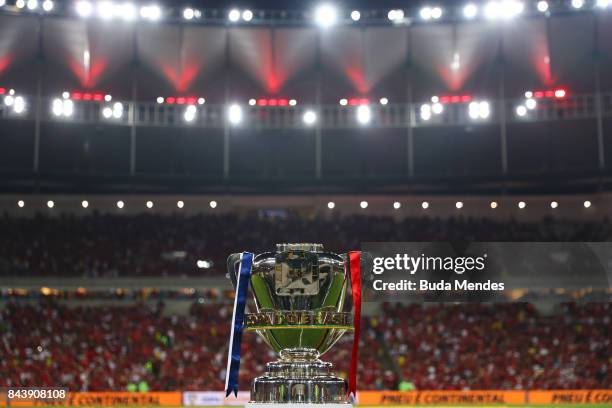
148 147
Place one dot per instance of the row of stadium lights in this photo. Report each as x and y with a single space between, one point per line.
330 205
477 109
325 15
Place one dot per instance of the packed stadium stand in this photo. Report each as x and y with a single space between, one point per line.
104 245
467 346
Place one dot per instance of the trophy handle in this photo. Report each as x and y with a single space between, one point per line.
232 268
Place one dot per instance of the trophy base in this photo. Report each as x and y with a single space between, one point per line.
299 377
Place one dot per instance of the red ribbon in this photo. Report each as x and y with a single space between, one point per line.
355 270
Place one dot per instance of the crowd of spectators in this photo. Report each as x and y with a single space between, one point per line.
465 346
103 245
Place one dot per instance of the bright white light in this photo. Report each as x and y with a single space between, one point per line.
19 106
202 264
120 204
32 4
363 204
528 94
426 13
437 108
310 117
106 9
126 11
493 204
84 203
343 102
521 205
505 9
331 205
425 112
117 110
396 16
521 110
234 114
9 100
485 109
384 101
149 204
456 63
188 13
67 108
577 4
587 204
602 3
2 3
190 113
364 114
50 204
108 98
47 5
65 95
247 15
84 8
151 12
21 204
234 15
20 4
436 13
470 10
107 112
180 204
554 205
531 104
425 205
479 110
201 101
252 102
542 6
355 15
397 205
325 15
292 102
459 205
560 93
160 99
57 107
213 204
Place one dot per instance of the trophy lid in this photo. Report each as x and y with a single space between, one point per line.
309 247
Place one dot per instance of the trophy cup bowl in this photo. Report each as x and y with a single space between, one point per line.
299 292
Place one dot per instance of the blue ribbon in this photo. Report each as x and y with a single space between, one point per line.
233 358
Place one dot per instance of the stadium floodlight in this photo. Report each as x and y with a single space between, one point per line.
19 105
425 13
234 15
554 205
493 204
2 3
522 204
201 101
577 4
542 6
84 8
252 102
151 12
309 118
62 107
355 15
106 10
20 4
188 13
126 11
425 112
292 102
396 15
84 203
47 5
326 15
531 104
117 110
459 205
21 204
479 110
587 204
160 99
331 205
521 110
364 114
343 102
397 205
190 113
247 15
424 205
180 204
9 100
32 4
120 204
213 204
107 112
436 13
234 114
437 108
149 204
602 3
50 204
470 11
363 204
383 101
